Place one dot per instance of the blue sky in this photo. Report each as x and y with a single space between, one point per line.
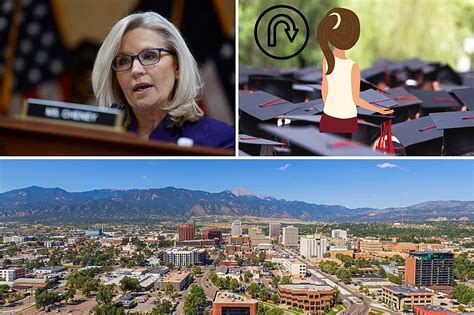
352 183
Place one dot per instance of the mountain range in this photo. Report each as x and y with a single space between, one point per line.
44 204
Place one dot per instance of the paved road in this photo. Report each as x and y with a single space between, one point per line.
206 285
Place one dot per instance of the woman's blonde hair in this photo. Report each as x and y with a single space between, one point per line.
187 88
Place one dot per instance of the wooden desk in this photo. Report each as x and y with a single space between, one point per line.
21 137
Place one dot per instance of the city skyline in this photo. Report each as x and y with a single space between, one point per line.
351 183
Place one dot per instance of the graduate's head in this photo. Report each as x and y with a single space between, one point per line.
340 28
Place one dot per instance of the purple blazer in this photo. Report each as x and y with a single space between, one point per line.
204 132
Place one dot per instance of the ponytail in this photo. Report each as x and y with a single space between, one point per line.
323 38
340 27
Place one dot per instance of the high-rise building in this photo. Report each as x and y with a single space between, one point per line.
186 232
254 232
236 228
434 270
290 236
274 229
185 256
313 246
340 234
212 234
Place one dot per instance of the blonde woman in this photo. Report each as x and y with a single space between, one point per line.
145 67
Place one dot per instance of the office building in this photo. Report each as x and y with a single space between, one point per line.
290 236
226 303
434 270
236 228
186 232
313 246
311 298
274 229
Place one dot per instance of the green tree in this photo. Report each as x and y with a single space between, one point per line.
463 294
263 294
129 284
463 268
268 265
162 307
45 298
234 284
194 299
286 280
169 289
108 309
239 260
344 275
69 294
247 276
196 270
382 272
275 281
275 298
104 294
346 259
394 279
89 286
253 290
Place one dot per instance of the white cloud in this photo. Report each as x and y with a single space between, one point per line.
143 177
386 165
404 193
284 167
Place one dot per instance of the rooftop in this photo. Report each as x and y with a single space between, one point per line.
406 289
429 255
306 287
432 308
175 276
227 297
30 280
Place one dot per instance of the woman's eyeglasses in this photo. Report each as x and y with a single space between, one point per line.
146 57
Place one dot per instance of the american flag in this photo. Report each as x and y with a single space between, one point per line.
40 55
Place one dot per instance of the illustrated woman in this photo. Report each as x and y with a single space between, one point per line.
341 76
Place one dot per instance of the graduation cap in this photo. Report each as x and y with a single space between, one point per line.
277 86
430 72
259 106
377 99
446 74
375 75
313 107
256 146
419 137
458 128
468 79
435 101
466 96
309 141
310 75
408 104
246 71
367 133
303 92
